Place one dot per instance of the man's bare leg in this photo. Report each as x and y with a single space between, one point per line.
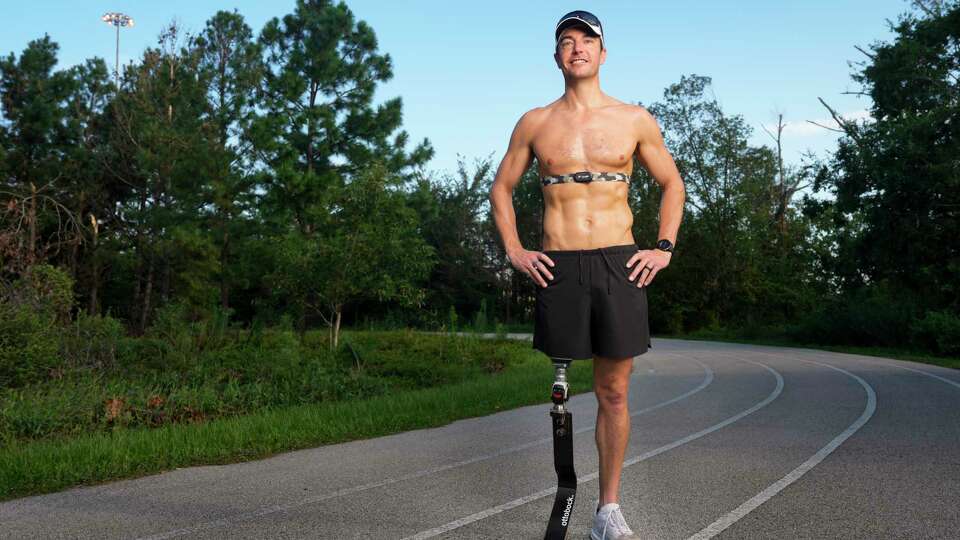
611 380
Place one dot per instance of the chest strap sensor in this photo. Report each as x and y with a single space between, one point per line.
584 177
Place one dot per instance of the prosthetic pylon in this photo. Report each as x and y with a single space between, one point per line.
562 454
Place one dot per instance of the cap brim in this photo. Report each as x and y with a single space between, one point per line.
570 21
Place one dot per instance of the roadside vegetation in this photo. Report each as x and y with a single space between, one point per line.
84 403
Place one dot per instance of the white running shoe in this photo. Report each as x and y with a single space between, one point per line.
608 524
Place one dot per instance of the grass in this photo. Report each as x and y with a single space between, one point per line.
43 466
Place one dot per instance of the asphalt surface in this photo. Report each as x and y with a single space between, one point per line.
727 441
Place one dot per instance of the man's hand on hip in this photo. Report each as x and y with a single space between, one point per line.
532 263
651 262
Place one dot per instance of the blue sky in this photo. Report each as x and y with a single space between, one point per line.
467 70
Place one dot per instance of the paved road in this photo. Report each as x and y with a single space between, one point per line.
727 441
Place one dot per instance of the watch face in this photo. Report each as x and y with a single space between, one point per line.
664 245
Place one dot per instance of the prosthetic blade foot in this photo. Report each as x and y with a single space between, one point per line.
562 422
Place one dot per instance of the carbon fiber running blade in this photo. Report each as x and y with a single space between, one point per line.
566 476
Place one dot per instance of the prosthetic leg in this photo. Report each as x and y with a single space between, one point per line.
562 454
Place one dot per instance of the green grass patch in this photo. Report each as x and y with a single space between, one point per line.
171 380
429 381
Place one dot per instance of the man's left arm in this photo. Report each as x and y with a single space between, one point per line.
654 156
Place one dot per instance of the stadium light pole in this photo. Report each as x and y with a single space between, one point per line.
117 20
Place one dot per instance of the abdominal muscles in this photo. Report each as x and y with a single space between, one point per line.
586 217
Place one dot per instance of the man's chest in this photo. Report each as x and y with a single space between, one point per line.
607 144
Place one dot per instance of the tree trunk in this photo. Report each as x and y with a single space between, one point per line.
224 257
138 285
336 327
510 289
32 221
75 248
144 314
165 281
93 308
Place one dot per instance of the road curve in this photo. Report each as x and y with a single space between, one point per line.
727 441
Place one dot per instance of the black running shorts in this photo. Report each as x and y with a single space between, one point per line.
590 307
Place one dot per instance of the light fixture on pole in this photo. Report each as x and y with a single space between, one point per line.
118 20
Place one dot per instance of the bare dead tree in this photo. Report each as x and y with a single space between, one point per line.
22 243
788 182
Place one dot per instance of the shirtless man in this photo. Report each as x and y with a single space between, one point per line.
590 302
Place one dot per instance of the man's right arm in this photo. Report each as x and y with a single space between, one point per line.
515 162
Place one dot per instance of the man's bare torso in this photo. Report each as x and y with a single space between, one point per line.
603 139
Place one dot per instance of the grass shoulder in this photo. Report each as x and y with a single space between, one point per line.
424 381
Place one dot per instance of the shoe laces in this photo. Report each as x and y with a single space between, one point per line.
619 524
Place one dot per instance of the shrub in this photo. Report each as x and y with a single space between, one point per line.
874 316
43 289
480 321
938 331
31 308
91 341
29 346
135 354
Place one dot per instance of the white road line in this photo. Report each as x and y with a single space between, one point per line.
483 514
707 380
737 513
928 374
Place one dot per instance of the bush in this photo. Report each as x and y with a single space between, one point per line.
939 332
480 321
44 290
155 384
29 346
186 332
136 354
91 341
30 310
874 316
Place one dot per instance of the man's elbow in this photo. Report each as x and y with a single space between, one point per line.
496 192
676 182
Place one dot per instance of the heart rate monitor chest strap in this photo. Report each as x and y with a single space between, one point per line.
583 177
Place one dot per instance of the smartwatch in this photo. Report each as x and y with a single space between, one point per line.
665 245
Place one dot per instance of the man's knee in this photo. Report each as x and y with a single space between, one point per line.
611 394
611 381
612 399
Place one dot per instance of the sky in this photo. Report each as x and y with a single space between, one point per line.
467 71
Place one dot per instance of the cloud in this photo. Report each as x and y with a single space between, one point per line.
803 128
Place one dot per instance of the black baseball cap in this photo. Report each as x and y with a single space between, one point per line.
580 17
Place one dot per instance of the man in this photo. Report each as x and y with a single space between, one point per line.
591 277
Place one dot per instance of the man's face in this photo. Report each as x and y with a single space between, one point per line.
578 53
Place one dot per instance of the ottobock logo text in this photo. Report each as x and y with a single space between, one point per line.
566 511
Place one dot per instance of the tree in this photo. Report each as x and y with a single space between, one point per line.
744 246
319 127
452 221
369 249
896 178
35 137
163 158
230 67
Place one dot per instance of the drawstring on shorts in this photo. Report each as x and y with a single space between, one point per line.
605 259
580 265
609 265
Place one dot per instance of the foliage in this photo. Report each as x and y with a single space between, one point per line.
896 177
939 331
242 375
244 181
